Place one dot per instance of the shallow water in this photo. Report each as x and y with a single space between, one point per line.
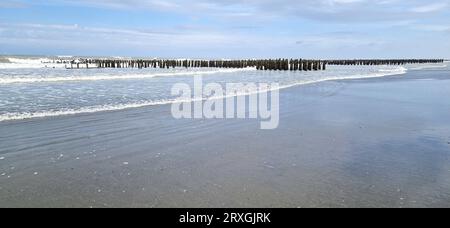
28 89
381 142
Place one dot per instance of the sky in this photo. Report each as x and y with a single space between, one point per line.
326 29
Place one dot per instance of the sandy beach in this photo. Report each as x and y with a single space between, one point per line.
382 142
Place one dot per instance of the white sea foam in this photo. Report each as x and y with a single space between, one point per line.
118 107
29 63
432 66
28 60
381 73
84 110
117 77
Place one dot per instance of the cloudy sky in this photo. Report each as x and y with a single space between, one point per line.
227 28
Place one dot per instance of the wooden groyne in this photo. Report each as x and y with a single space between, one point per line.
373 62
267 64
262 64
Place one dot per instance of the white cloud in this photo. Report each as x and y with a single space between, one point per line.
430 7
248 28
125 4
97 39
433 28
12 4
324 10
176 43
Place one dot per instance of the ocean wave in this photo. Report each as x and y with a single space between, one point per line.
84 110
428 67
117 77
381 73
4 60
119 107
10 66
28 60
27 63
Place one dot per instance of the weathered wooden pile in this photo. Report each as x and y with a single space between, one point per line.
268 64
263 64
371 62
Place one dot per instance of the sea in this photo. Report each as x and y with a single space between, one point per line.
33 87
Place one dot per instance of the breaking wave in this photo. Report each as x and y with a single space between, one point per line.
26 63
434 66
118 107
117 77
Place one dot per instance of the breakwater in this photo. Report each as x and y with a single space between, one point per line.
262 64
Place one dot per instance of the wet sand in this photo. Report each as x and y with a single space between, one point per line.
363 143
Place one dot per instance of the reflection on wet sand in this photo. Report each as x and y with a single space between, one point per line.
364 143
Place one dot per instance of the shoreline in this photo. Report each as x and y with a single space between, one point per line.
124 107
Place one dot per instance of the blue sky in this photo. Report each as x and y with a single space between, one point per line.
227 28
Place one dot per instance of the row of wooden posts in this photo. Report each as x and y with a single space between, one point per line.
267 64
371 62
